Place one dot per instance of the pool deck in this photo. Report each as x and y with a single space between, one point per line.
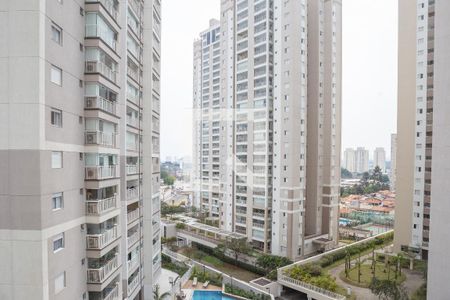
199 286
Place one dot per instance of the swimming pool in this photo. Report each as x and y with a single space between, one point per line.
210 295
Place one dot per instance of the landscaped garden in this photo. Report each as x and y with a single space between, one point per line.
179 268
382 272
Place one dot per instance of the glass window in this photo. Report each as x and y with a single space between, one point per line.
57 34
56 160
56 117
56 75
58 242
60 282
57 201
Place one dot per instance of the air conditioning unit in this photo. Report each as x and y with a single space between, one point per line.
89 103
90 67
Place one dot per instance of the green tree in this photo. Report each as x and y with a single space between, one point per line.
237 247
156 293
270 263
346 173
388 290
377 175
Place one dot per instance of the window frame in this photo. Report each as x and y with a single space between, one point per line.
59 237
56 69
52 160
55 27
54 111
56 196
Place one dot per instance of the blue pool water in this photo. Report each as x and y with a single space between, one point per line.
210 295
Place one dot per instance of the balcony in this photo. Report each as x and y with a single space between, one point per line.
98 207
100 138
133 264
132 121
132 169
113 294
132 193
132 239
100 172
133 216
100 274
109 5
102 68
133 284
97 102
136 7
99 241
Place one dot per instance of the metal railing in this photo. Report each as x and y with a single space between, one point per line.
102 68
99 241
286 279
97 102
100 172
97 207
100 138
133 215
100 274
132 121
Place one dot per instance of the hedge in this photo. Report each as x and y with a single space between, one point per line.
230 260
244 294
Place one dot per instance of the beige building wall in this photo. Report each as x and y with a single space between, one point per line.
438 262
74 228
405 122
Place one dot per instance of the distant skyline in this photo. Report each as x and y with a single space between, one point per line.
369 72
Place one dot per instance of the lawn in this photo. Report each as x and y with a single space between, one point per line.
381 273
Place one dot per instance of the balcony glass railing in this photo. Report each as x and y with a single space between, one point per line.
102 68
132 193
133 263
99 241
133 283
97 102
109 5
132 239
100 172
99 275
97 207
113 294
132 169
133 215
105 139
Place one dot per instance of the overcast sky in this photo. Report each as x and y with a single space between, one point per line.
369 71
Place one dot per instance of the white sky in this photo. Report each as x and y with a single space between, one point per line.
369 71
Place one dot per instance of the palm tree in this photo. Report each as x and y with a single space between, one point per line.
157 296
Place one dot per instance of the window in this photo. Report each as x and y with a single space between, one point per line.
56 34
56 160
56 117
58 242
57 201
56 75
60 282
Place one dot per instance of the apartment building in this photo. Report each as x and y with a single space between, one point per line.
79 149
362 160
349 161
379 159
393 171
267 83
438 262
415 125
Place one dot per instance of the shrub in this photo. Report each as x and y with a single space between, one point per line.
244 294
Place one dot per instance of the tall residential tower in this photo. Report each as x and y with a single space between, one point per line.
79 149
267 115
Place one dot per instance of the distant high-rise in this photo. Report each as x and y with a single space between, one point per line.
393 172
349 161
379 159
362 160
266 85
79 149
